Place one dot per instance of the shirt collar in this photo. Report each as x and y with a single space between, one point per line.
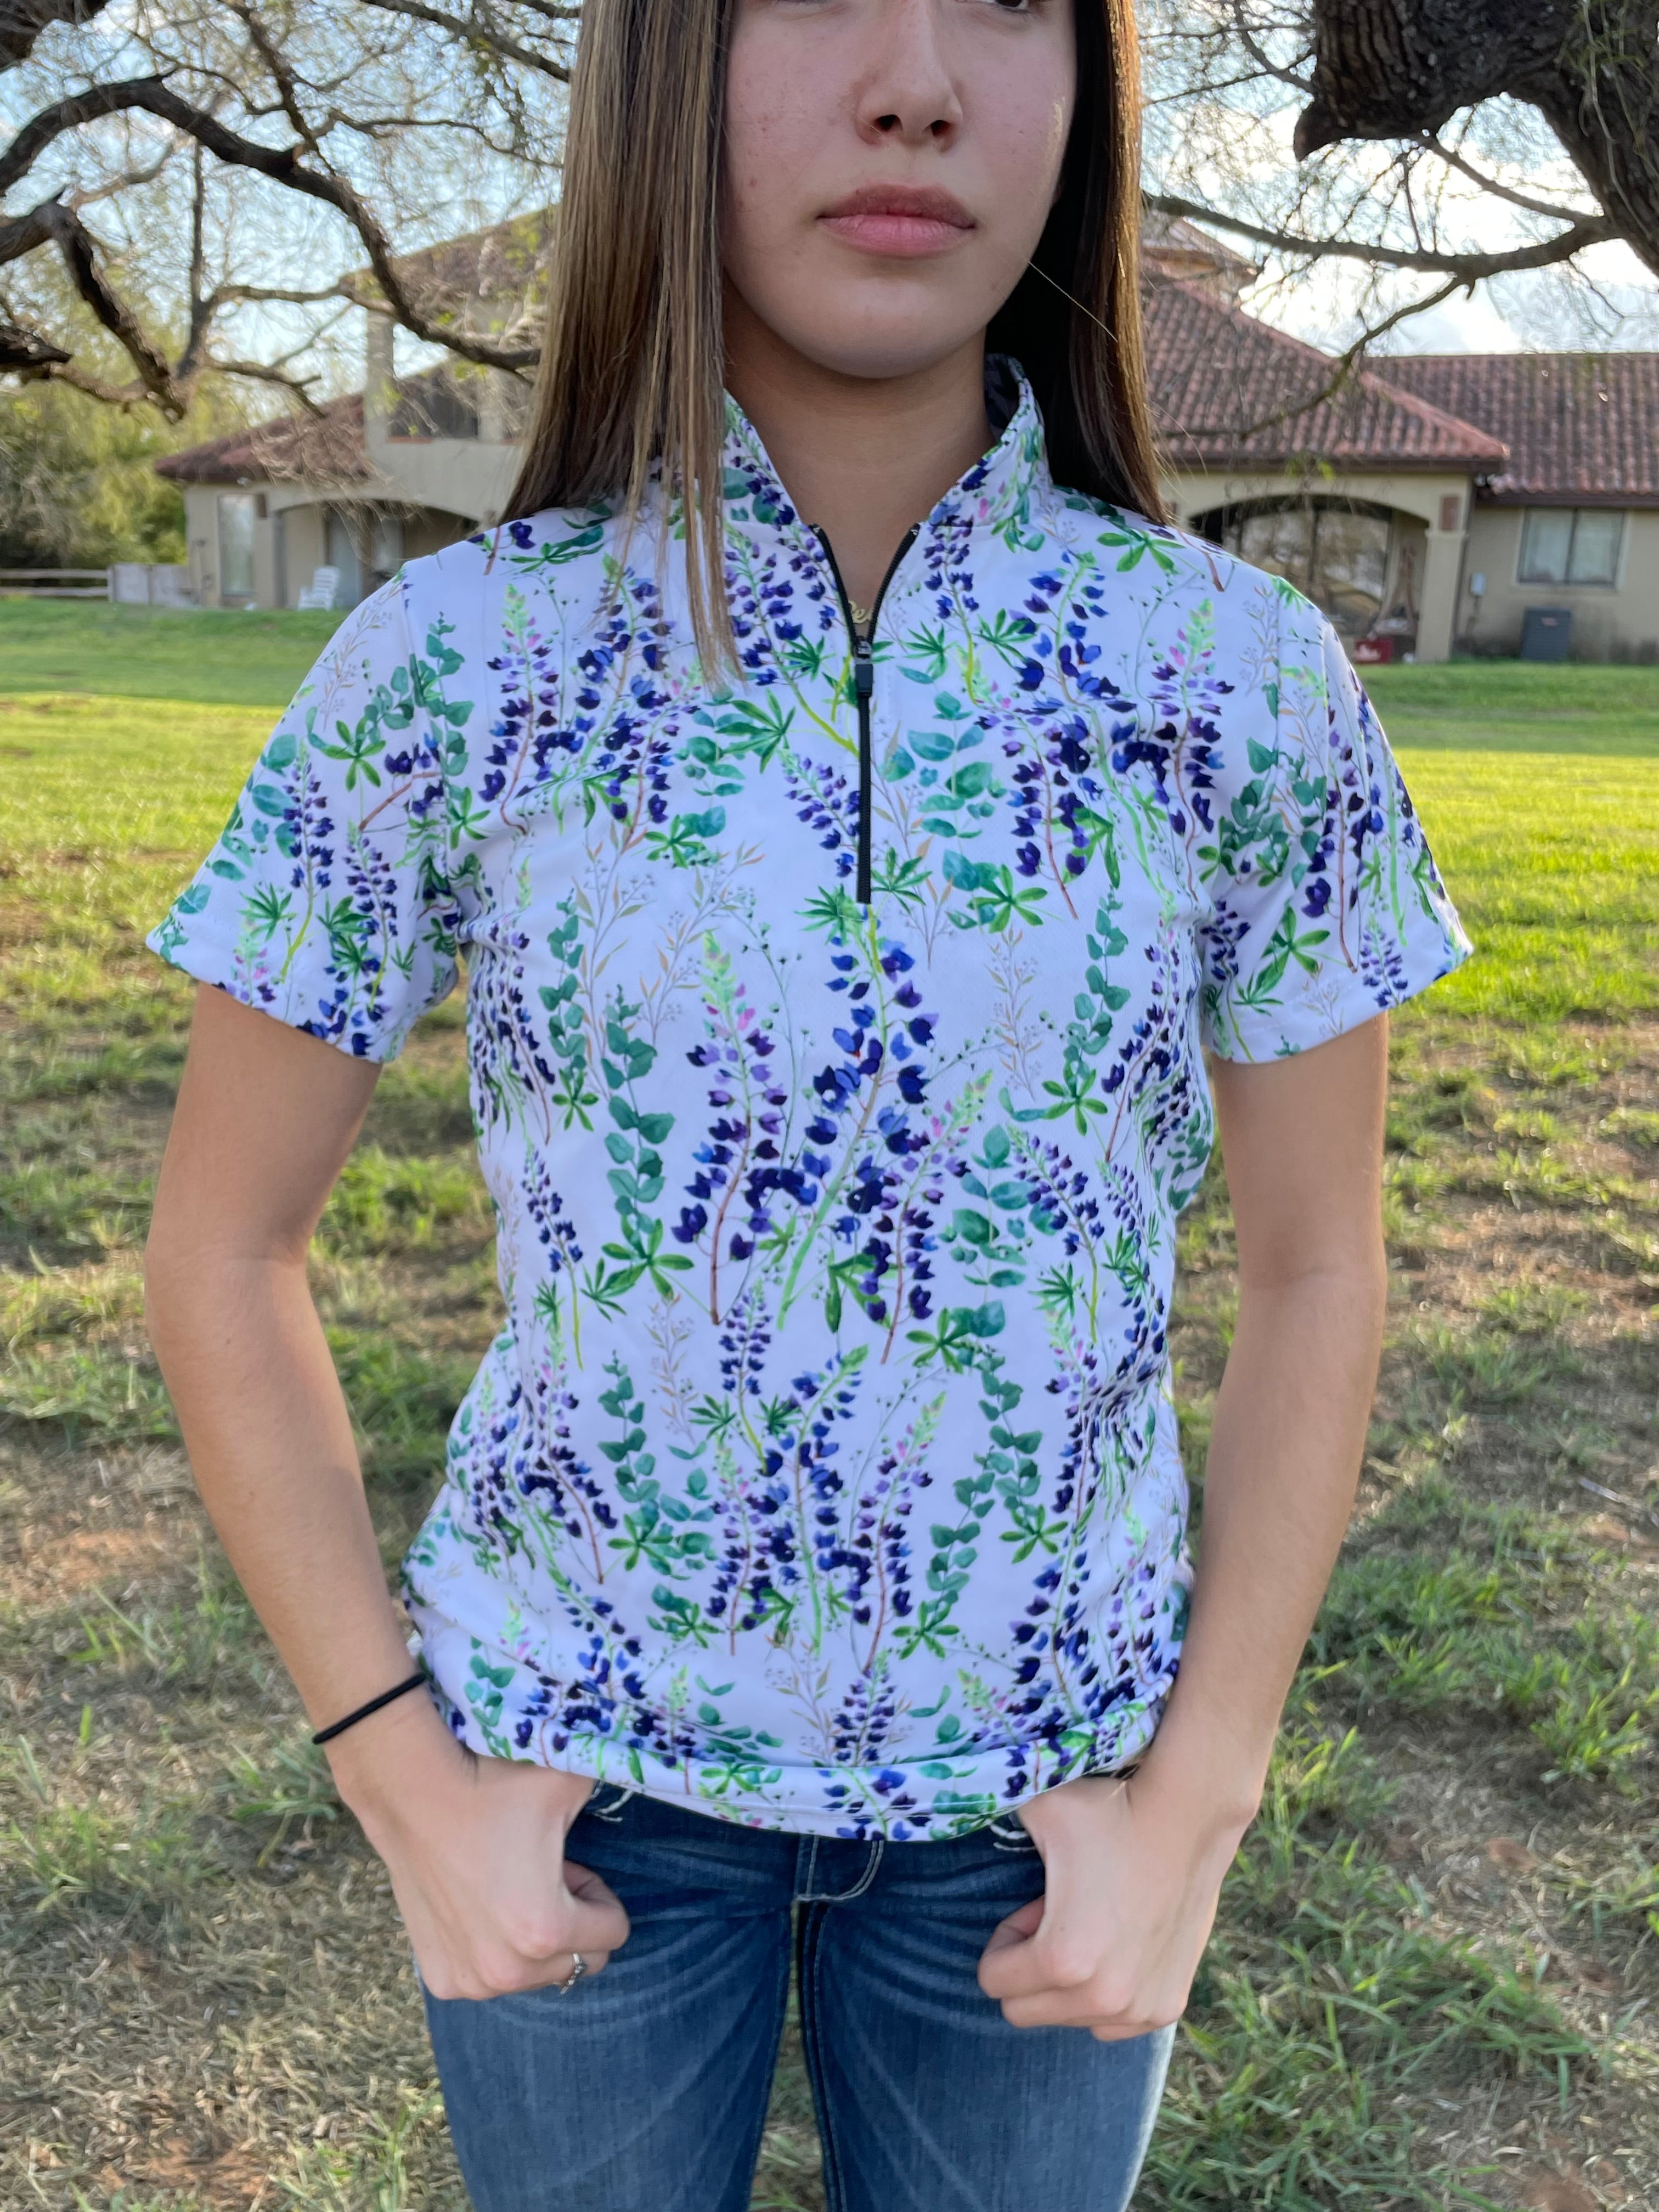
1002 487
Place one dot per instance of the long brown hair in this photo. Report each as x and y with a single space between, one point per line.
631 370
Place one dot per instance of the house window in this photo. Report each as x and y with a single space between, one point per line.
433 406
1570 545
235 546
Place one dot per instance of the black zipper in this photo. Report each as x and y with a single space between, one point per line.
863 684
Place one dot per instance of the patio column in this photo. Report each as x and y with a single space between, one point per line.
1442 566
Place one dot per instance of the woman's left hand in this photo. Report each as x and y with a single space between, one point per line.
1133 1871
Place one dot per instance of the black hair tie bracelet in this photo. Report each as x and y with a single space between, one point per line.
339 1728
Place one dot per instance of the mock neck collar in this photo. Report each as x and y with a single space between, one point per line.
1000 487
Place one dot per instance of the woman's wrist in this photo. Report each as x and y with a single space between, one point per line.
391 1756
1211 1776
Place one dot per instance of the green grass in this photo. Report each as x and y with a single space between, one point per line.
1555 864
145 653
1512 706
182 1899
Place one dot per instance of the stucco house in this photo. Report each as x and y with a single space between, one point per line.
1426 503
1571 519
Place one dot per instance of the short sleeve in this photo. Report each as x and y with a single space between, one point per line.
1326 905
326 900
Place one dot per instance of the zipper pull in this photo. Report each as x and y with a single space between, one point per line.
864 673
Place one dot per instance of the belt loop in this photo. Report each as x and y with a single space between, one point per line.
602 1808
1008 1832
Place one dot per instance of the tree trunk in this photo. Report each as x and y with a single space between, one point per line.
1602 102
1393 68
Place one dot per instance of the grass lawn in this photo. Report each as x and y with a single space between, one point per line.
1435 1978
226 658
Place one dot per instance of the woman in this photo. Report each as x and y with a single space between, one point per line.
857 813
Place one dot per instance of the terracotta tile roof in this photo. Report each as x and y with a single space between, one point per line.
1228 391
1581 427
325 448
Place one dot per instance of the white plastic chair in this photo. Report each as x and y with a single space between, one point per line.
318 593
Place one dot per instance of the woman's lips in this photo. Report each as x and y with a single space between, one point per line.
899 222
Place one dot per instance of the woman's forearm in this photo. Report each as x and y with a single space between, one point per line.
266 1426
475 1850
1284 1460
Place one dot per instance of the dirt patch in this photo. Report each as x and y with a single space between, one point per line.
68 1563
236 2179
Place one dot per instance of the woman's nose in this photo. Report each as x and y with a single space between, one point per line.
909 91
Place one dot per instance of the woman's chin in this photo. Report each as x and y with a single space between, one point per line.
883 354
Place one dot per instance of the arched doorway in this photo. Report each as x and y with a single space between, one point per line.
1359 563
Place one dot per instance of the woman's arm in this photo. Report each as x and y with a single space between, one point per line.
266 1117
1133 1869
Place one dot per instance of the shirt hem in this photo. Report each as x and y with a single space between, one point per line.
978 1790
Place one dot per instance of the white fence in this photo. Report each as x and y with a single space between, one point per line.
127 583
139 583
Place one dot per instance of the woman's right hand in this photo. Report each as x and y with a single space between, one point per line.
475 1848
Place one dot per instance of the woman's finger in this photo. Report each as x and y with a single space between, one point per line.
563 1972
1030 1953
1018 1928
595 1918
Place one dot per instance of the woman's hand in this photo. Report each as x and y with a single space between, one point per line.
475 1848
1132 1873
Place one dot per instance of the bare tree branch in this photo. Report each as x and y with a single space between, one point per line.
261 372
1465 268
66 114
1266 66
280 76
476 34
282 295
1401 68
127 180
52 221
124 396
27 352
282 165
21 22
1500 191
1355 357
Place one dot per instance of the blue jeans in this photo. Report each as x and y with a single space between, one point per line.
645 2089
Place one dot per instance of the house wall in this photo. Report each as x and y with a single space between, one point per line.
304 533
1609 622
465 477
268 550
1432 498
202 541
292 539
289 541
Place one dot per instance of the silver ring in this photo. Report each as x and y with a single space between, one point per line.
578 1968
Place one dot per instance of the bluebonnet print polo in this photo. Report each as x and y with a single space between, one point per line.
823 1474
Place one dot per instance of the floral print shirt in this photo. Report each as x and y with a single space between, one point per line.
823 1474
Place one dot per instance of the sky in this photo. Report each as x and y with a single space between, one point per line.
1612 304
